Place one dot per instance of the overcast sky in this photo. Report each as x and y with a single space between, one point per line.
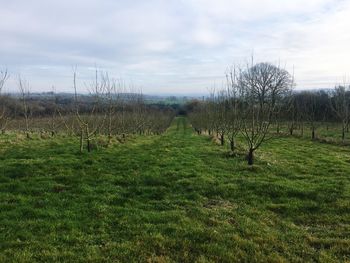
170 46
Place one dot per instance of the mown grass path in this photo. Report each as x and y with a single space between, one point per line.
177 197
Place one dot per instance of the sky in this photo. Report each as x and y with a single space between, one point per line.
171 47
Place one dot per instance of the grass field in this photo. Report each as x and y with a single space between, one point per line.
177 197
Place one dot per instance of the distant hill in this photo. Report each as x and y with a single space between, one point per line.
152 99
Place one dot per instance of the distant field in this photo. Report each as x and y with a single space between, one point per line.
171 100
178 197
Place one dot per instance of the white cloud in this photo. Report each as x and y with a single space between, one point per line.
172 45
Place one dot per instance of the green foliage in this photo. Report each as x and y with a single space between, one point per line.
177 197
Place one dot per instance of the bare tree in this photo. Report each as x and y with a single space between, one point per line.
233 96
94 120
111 107
310 108
53 122
293 113
262 86
115 105
3 117
3 78
218 112
24 90
198 116
340 104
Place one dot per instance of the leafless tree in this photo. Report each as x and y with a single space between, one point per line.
111 96
54 122
90 123
24 90
217 107
233 96
223 114
292 112
340 104
3 117
262 86
310 108
199 116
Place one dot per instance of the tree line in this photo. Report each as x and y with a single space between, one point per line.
110 109
257 100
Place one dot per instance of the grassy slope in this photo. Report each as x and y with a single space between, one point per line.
175 197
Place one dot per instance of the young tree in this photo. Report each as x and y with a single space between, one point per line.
220 109
3 117
340 104
310 105
198 115
111 96
90 122
262 86
233 96
292 113
53 121
24 90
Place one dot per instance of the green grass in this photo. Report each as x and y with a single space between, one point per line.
177 197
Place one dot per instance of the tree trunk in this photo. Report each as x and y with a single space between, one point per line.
81 141
222 139
250 157
302 130
291 129
88 144
232 145
313 133
109 139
